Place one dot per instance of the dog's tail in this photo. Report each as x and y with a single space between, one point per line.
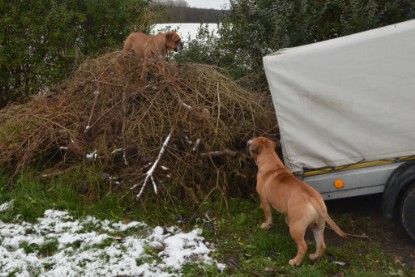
333 225
327 218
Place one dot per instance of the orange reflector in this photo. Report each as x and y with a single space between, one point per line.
338 184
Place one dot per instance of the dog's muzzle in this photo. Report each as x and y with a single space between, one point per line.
179 46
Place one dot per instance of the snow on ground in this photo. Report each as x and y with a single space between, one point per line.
91 247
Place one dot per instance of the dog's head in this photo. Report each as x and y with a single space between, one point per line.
257 145
173 41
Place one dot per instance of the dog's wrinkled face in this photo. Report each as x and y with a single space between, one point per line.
173 41
257 145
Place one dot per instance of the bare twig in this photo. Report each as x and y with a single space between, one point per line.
358 236
196 144
96 93
200 205
213 154
57 173
186 106
124 123
351 235
100 82
149 174
89 126
219 104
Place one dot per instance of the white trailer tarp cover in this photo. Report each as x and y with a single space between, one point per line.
346 100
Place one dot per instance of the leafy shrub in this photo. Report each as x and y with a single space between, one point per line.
42 41
253 29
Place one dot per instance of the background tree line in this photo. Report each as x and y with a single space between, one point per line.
42 41
175 14
253 29
179 11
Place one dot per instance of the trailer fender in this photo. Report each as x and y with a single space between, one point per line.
400 179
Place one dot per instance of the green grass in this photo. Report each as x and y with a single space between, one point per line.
45 249
149 257
246 249
79 192
258 252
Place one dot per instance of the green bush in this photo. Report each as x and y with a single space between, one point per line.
253 29
42 41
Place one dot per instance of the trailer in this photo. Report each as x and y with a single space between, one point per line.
346 113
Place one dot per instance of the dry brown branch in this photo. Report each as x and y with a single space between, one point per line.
358 236
352 235
207 111
215 154
56 173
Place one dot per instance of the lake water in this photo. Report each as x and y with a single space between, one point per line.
187 31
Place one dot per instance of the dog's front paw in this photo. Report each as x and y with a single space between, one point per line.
294 262
265 225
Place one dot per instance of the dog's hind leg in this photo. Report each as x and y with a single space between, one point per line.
297 232
128 45
318 232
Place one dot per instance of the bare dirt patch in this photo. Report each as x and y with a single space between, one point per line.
364 216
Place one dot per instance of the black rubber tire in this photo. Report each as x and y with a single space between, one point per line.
408 211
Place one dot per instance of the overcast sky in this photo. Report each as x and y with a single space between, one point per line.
210 4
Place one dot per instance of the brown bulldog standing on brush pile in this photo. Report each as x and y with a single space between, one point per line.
303 205
151 49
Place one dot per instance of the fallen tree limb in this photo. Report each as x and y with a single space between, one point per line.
149 174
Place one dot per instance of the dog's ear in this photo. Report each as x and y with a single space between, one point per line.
272 143
169 36
255 149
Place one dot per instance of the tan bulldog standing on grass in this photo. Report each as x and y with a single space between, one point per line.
303 206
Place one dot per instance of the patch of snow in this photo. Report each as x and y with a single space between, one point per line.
92 155
6 206
92 247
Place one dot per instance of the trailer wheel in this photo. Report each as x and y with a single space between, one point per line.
407 211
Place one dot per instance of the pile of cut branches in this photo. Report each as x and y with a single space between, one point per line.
183 132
